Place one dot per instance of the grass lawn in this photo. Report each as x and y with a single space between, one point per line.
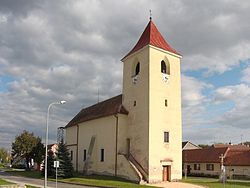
214 183
30 186
29 174
3 182
103 181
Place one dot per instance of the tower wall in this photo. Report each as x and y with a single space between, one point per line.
164 118
138 117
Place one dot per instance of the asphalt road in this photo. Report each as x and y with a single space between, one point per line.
36 182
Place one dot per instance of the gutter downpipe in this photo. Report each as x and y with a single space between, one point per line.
116 143
77 147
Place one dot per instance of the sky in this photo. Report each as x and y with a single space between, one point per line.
68 50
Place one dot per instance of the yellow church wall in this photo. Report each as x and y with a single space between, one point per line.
71 142
164 118
138 130
105 131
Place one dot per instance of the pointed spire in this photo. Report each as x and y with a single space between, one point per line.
151 36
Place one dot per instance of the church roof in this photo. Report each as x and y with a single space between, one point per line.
152 36
105 108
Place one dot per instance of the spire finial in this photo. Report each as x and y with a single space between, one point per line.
150 14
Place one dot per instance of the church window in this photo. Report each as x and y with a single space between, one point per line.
134 103
137 68
165 67
71 155
84 155
166 137
102 155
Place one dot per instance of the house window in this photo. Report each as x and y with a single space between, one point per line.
197 167
84 155
210 167
102 155
137 69
71 155
166 137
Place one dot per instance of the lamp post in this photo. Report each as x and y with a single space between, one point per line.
46 140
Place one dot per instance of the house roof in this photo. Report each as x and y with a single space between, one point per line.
105 108
206 155
237 158
186 143
152 36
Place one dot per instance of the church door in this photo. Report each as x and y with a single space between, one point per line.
166 173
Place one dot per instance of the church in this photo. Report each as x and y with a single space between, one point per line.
136 135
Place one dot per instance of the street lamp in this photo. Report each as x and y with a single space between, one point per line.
46 140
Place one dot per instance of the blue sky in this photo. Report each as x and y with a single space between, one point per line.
51 51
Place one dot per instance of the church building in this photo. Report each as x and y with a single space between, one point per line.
137 134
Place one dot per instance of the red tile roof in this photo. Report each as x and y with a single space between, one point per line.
105 108
207 155
151 36
237 158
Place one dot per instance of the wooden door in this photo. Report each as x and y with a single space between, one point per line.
166 173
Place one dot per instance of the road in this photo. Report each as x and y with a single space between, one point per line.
36 182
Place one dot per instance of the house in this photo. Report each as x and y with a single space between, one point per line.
137 134
187 145
208 161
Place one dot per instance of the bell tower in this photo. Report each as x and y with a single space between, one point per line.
152 95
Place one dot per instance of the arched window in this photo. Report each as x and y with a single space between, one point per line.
137 69
165 68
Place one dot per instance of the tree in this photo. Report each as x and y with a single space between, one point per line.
4 156
38 153
24 146
65 169
50 165
247 143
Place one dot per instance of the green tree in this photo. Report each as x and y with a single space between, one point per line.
65 169
50 165
24 146
247 143
4 157
38 153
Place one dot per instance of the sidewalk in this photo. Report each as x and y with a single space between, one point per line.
176 185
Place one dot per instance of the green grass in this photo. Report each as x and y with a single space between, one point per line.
29 174
103 181
4 182
214 183
30 186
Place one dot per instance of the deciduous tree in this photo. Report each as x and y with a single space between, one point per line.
24 146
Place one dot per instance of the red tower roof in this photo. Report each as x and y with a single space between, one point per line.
151 36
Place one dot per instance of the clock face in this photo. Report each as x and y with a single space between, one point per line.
165 77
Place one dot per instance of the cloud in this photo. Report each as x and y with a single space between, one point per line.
238 116
54 50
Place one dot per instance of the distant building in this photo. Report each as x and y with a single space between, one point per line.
189 145
236 159
136 135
